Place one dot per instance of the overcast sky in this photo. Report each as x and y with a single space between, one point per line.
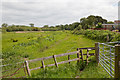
53 12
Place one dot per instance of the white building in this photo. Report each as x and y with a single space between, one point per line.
116 25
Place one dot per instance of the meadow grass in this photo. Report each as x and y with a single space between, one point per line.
20 46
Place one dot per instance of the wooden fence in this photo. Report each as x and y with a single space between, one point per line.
26 64
78 52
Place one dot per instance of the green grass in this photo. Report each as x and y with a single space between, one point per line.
94 71
43 44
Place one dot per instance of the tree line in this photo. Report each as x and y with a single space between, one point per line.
84 23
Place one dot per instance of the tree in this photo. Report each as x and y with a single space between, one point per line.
110 22
31 25
57 26
4 25
91 21
77 28
45 26
99 25
51 26
66 27
84 23
61 27
75 25
99 19
12 26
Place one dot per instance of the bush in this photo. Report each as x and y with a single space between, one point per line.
99 25
50 29
15 40
26 56
10 29
99 34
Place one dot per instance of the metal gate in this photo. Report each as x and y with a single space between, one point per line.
107 57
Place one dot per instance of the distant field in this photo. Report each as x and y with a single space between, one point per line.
41 44
25 46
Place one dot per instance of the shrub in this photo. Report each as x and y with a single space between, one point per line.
15 40
26 56
21 28
99 34
99 25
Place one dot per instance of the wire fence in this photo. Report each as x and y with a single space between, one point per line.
107 56
13 70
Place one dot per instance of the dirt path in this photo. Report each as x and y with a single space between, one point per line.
58 42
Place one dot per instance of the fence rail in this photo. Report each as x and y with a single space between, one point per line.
79 53
71 53
107 55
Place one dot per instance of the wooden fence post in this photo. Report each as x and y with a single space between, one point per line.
117 61
81 55
27 68
55 60
69 58
97 52
87 56
78 55
43 66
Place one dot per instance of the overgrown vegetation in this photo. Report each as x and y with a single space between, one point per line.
44 44
103 35
68 71
74 70
20 28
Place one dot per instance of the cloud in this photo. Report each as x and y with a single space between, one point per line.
52 12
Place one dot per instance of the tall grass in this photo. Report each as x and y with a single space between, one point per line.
21 46
103 35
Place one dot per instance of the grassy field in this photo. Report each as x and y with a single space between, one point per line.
21 46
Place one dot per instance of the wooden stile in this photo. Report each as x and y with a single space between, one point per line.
117 61
54 56
27 68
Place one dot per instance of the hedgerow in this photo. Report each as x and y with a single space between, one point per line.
103 35
11 29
